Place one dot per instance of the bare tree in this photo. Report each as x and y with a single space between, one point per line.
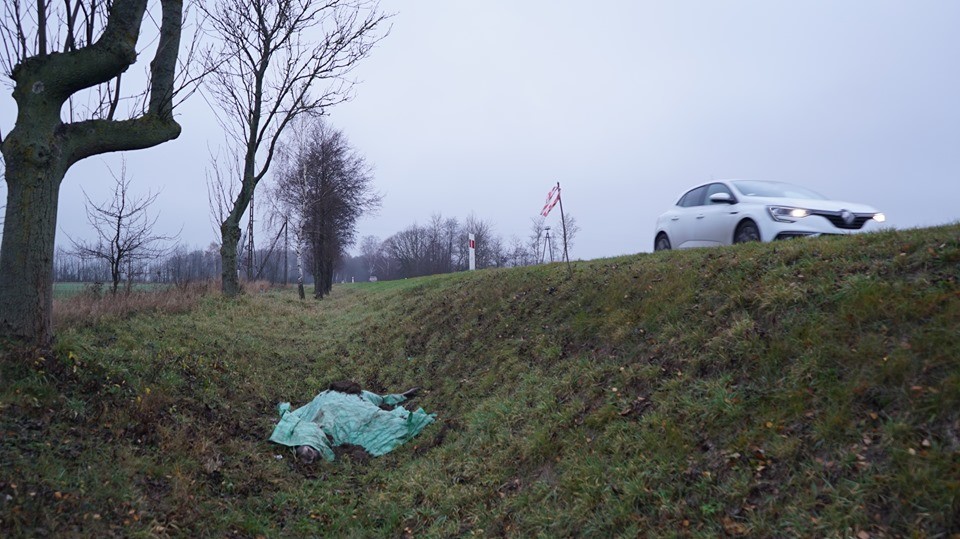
537 237
519 253
444 239
268 73
407 252
221 187
332 187
442 247
343 187
124 231
292 196
51 53
487 243
371 252
569 229
539 243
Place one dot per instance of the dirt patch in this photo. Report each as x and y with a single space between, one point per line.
355 453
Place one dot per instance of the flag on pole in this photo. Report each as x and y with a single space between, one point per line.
552 198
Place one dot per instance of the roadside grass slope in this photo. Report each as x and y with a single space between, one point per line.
802 388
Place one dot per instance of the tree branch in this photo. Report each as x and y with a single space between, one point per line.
65 73
92 137
164 64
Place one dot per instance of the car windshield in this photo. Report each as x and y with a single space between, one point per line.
754 188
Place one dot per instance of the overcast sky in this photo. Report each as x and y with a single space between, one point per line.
482 106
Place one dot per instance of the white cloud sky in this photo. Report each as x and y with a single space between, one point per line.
481 106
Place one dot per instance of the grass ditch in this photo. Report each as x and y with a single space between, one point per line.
802 388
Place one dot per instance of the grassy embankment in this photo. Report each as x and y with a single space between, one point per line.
803 388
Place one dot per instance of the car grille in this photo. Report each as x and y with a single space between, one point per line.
836 218
791 235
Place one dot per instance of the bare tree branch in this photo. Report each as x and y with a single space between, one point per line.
124 230
267 74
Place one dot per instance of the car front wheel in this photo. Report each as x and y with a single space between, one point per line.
747 231
662 243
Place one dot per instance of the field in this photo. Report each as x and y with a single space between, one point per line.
69 290
808 388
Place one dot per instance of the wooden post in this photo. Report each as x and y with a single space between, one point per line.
563 222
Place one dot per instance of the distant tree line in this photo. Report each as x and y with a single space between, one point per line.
439 246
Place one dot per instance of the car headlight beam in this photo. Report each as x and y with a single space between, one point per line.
787 214
879 217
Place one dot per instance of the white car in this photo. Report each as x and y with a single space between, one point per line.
723 212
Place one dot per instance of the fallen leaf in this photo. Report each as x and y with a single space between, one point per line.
733 528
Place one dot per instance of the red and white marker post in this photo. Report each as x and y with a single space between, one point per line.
473 252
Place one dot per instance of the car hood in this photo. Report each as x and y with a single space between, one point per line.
812 204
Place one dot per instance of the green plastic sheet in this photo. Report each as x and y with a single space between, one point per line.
334 418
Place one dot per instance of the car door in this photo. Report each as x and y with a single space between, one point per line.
715 220
683 218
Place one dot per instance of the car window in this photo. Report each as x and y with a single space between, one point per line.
717 188
759 188
693 198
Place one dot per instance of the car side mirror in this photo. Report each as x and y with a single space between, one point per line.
721 198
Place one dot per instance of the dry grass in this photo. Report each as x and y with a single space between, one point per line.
256 287
90 308
95 305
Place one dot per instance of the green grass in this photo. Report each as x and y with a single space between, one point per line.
68 290
807 388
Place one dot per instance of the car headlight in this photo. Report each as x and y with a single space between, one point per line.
787 214
879 217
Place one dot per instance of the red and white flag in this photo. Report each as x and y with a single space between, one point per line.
552 198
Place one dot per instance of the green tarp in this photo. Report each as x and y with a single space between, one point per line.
334 418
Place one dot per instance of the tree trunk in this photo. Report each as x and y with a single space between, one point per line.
328 263
318 274
40 149
26 254
251 251
286 263
230 238
300 271
115 275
